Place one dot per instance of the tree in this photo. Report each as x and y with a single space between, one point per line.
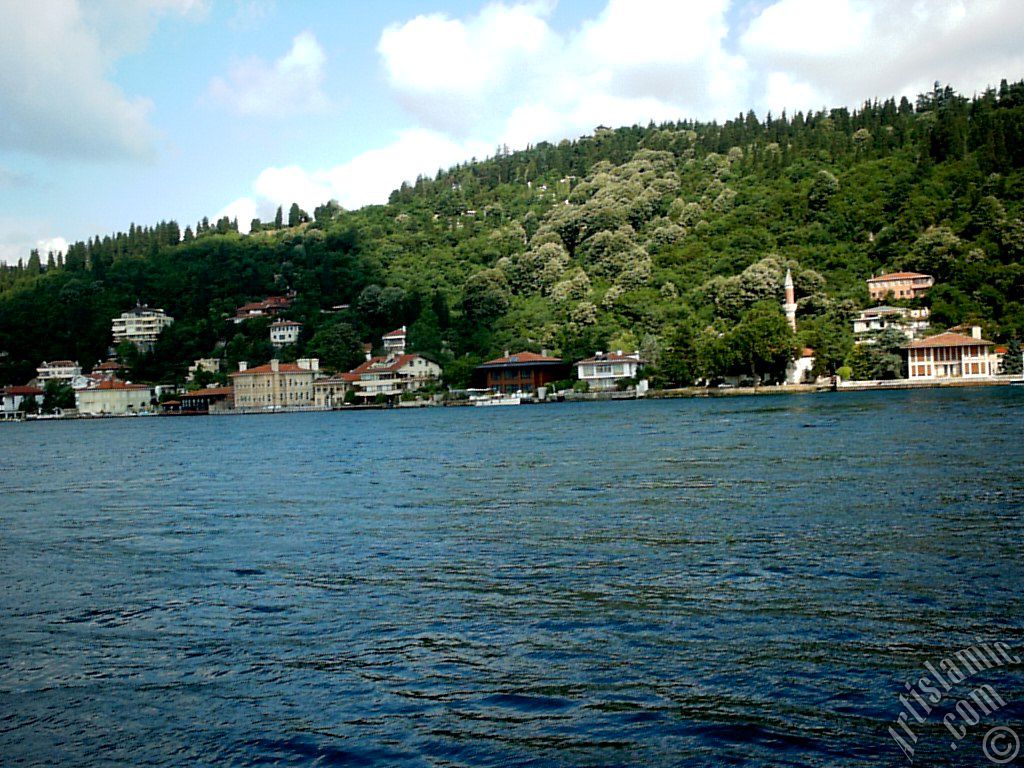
278 218
296 216
486 296
338 347
1012 365
763 343
678 359
57 394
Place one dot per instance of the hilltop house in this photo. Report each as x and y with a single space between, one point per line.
394 375
522 372
113 397
208 364
899 285
951 356
58 370
276 384
283 332
394 342
604 369
141 326
271 306
871 322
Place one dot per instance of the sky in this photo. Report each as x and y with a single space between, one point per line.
115 112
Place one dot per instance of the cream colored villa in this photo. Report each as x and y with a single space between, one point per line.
275 385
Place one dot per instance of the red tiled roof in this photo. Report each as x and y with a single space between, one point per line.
374 365
280 323
398 333
211 392
1001 350
25 391
610 359
896 276
59 364
521 358
807 352
947 339
282 368
117 384
110 365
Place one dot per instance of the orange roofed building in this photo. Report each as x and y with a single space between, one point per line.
951 356
522 372
899 285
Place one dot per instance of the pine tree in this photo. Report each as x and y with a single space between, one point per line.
1012 364
279 218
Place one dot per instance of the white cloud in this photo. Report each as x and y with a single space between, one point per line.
56 97
292 84
54 244
368 178
847 51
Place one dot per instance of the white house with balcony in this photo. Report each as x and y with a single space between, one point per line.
140 326
394 375
604 369
58 370
394 342
912 323
284 332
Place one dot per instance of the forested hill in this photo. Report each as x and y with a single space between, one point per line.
670 238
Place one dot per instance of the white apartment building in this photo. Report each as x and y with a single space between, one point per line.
141 326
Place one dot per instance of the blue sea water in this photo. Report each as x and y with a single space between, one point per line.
737 581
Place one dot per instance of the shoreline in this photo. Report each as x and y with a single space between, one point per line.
653 394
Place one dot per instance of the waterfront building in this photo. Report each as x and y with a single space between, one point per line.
394 342
330 392
12 398
522 372
58 370
604 369
798 371
208 400
276 384
899 285
207 364
141 326
112 397
871 322
284 332
271 306
394 375
951 356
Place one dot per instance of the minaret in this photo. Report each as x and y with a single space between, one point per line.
790 306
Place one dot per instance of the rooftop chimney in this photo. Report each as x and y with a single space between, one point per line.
506 353
975 331
275 365
242 365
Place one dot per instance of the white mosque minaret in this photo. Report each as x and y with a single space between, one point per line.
790 306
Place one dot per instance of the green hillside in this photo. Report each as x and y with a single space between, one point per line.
673 239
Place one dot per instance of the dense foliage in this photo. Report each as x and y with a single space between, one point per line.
672 239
